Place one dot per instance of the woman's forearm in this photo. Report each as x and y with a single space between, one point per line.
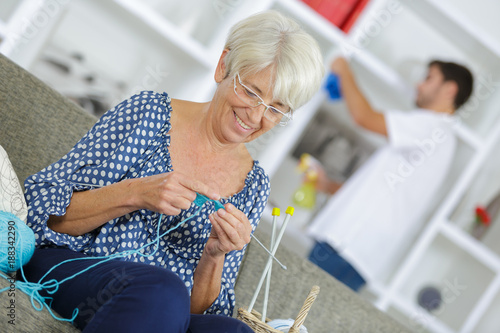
90 209
206 283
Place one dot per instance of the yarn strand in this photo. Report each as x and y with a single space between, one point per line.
51 286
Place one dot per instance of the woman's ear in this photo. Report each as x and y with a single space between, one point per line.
220 71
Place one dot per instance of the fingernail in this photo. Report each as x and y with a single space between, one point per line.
221 212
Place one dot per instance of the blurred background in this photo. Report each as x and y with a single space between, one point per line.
99 52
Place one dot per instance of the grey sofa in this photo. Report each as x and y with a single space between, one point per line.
38 126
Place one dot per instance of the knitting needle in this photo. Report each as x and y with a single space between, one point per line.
289 213
268 252
276 212
218 205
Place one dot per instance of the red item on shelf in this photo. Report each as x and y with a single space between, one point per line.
349 22
312 3
482 215
335 11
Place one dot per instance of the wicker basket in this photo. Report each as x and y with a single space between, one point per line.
253 319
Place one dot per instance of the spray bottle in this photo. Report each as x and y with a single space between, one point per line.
305 195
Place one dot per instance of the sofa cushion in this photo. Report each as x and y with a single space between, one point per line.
25 318
337 309
38 124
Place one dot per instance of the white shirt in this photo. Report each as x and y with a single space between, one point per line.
374 216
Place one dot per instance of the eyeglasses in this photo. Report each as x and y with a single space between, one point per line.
250 98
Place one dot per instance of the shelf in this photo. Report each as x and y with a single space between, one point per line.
7 7
174 46
484 314
484 185
441 215
467 136
481 193
471 170
461 279
485 317
334 42
478 49
416 318
475 248
371 19
457 27
205 22
481 112
30 25
169 31
407 41
401 91
491 237
414 324
480 13
123 54
3 30
323 30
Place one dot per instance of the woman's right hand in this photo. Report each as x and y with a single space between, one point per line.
168 193
165 193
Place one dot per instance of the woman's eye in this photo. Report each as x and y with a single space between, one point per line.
250 93
275 111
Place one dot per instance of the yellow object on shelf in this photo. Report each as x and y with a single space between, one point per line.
305 195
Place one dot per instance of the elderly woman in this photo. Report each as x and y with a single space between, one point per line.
135 174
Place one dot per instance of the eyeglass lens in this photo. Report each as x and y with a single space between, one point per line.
249 97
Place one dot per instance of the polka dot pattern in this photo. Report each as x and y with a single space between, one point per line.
130 141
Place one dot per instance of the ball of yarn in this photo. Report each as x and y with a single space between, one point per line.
17 242
284 325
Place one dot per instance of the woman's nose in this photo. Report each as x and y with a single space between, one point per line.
257 113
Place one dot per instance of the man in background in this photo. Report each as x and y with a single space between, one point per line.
368 223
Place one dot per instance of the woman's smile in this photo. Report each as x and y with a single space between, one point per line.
241 123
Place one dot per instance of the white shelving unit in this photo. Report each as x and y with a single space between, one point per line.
108 49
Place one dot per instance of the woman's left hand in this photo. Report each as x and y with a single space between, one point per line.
230 231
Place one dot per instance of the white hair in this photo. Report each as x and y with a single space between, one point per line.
271 40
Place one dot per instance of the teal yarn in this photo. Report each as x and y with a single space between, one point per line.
201 199
32 289
17 242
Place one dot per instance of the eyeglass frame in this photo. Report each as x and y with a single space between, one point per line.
287 116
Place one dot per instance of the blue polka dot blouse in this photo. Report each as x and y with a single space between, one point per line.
129 141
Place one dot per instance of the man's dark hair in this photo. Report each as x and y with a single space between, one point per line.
460 75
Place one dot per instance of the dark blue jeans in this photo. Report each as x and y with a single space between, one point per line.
121 296
324 256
